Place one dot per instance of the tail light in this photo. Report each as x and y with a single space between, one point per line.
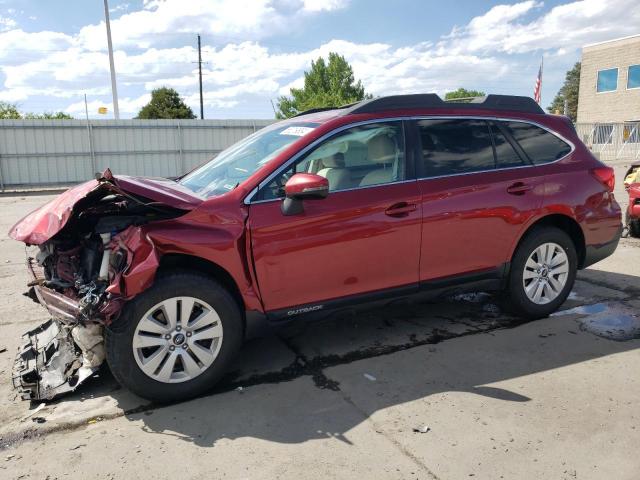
606 176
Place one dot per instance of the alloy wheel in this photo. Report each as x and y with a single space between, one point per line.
545 273
177 339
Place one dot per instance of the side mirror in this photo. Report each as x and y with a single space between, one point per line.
303 186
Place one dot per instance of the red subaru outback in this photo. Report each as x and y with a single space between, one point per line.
336 207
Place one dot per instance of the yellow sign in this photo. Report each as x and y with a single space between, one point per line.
102 110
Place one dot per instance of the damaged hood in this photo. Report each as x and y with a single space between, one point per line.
44 222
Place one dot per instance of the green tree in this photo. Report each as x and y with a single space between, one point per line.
165 103
48 116
463 93
568 91
9 111
327 84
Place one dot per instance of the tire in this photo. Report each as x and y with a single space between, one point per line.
634 228
553 242
198 363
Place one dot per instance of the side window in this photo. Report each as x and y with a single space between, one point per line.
540 145
506 156
361 156
451 147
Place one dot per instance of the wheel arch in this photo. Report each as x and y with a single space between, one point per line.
564 223
173 261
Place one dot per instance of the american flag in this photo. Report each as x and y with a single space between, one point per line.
538 87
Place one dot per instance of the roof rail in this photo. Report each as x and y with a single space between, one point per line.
324 109
511 103
314 110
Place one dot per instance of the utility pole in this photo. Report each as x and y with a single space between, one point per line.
199 77
114 89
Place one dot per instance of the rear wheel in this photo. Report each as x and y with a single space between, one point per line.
634 228
176 339
542 274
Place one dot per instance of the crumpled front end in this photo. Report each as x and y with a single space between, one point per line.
83 272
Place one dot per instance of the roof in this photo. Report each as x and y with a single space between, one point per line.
423 101
614 40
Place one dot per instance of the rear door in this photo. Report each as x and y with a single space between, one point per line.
364 237
477 191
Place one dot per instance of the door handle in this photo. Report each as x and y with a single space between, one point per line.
519 188
401 209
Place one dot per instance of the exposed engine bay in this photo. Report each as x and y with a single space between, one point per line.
77 275
81 261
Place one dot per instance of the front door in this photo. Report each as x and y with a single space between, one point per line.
364 237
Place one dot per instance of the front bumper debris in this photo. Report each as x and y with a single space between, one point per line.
55 358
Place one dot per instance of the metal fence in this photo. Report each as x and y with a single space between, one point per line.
611 141
49 152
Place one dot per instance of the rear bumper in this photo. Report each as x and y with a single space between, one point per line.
595 253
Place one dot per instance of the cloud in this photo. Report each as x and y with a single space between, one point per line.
159 20
320 5
19 47
123 7
7 23
484 53
570 26
249 70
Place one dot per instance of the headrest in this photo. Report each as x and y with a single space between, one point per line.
334 161
381 149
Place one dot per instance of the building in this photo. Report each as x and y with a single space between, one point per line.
609 98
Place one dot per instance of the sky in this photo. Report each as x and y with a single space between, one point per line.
52 52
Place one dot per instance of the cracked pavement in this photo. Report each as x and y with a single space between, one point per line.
496 397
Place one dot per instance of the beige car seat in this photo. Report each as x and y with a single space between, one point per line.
382 151
334 171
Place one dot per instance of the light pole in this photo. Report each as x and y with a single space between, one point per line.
114 89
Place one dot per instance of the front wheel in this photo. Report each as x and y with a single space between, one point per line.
176 339
542 273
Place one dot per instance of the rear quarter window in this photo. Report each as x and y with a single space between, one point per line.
540 145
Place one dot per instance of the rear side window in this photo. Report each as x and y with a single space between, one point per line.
506 156
452 147
540 145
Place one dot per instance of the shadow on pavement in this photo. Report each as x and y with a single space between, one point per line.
323 393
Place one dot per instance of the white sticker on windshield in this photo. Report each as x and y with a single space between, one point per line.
296 131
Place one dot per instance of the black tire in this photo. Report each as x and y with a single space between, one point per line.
634 228
518 301
119 336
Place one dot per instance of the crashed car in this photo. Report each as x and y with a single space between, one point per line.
632 215
329 210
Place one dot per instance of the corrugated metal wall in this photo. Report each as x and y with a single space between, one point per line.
48 152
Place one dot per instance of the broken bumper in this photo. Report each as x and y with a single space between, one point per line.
55 358
59 306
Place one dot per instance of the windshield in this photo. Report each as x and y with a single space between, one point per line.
238 162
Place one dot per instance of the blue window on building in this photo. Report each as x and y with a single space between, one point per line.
633 79
607 80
